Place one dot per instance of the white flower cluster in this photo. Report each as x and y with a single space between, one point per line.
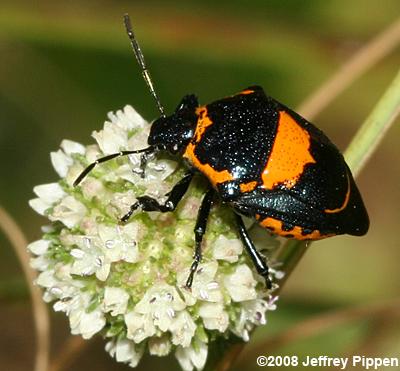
127 282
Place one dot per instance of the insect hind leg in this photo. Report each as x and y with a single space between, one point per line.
258 261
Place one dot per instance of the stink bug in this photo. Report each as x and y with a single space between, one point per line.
261 158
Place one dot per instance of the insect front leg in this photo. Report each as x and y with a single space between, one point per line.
147 203
199 231
143 163
82 175
258 261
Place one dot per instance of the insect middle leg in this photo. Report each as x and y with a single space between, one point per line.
147 203
199 231
258 261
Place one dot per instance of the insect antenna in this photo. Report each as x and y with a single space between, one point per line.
146 75
142 63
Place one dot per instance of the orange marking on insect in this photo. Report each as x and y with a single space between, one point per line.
202 123
289 155
246 91
248 187
296 232
345 202
214 176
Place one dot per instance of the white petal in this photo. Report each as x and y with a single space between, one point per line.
49 193
183 357
119 242
255 310
134 117
77 253
90 323
241 284
39 206
190 357
159 346
47 228
93 152
74 320
205 273
60 306
214 317
199 356
38 247
189 208
110 347
111 139
125 351
204 286
182 329
46 279
159 298
41 263
62 272
69 147
115 300
139 140
47 297
227 249
103 272
108 233
163 318
93 188
69 211
160 169
83 267
139 326
61 162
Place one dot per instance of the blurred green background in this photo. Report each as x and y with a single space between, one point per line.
65 64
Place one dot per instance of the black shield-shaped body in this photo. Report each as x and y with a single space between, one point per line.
269 163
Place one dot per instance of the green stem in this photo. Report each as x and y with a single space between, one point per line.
223 353
288 256
374 128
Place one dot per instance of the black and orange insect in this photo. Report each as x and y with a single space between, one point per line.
261 158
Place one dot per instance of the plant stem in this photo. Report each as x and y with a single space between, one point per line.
223 353
374 128
40 314
365 58
288 257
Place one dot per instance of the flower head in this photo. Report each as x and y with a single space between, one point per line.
127 282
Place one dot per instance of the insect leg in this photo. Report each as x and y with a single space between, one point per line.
147 203
258 261
85 172
143 163
199 231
